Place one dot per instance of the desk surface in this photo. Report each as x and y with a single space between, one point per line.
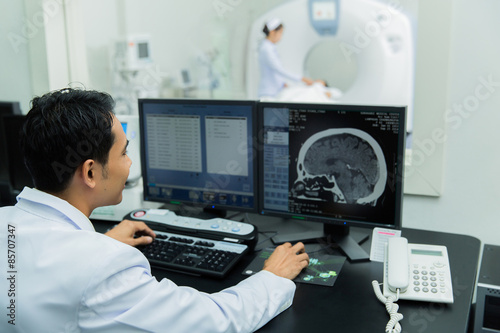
350 305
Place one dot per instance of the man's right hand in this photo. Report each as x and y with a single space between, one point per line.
287 261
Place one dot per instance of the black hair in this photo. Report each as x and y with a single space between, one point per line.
63 129
266 29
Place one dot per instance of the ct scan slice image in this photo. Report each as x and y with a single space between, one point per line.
341 165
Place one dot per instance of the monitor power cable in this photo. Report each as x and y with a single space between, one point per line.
392 308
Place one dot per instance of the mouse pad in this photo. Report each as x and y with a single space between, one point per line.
323 268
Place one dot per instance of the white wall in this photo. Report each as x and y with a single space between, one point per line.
470 203
182 33
15 78
33 43
101 23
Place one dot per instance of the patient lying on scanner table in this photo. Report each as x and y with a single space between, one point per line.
318 92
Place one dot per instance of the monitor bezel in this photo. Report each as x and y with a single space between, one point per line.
402 110
7 108
10 108
255 165
19 175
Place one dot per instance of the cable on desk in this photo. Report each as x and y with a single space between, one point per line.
273 233
247 217
232 217
393 325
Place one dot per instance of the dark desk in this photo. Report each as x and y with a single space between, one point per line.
350 305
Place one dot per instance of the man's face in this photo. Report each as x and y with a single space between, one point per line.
115 173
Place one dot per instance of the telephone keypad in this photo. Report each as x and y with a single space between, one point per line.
425 274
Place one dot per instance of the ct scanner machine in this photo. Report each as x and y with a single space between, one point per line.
374 35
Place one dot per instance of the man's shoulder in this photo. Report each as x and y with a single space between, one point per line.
92 243
7 209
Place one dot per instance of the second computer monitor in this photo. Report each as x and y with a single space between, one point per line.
199 152
335 164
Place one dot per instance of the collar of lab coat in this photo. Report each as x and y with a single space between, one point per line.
52 208
269 44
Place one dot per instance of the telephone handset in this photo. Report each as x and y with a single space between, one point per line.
417 272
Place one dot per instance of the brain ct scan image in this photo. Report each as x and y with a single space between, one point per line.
333 163
340 165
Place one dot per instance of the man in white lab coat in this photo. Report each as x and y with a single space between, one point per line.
59 275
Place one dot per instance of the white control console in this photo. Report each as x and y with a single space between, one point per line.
216 228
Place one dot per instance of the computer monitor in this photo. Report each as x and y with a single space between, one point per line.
19 176
340 165
200 153
6 109
10 108
7 195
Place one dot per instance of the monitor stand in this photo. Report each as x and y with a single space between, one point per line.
215 212
204 213
348 242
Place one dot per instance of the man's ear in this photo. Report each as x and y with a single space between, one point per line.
88 173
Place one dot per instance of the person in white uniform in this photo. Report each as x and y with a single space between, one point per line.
62 276
273 75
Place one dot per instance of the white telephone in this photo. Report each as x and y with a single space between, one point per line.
417 272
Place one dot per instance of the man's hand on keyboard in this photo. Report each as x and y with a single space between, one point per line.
126 230
287 261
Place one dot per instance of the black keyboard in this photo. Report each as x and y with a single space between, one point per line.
193 255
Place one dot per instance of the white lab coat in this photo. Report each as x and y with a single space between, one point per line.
272 74
69 278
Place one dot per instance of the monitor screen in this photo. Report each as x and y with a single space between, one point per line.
10 108
6 109
143 50
19 176
335 164
199 152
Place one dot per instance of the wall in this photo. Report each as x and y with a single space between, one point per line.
183 36
101 22
34 56
471 191
15 77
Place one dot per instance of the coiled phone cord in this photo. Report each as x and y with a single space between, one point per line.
393 325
